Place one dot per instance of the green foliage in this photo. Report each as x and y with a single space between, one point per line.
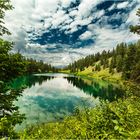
119 63
34 66
97 67
11 66
4 6
129 61
9 114
136 73
118 120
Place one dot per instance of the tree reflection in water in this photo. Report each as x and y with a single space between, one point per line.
106 91
9 113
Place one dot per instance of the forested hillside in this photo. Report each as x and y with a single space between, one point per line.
125 58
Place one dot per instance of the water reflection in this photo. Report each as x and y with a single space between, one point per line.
51 97
29 81
100 89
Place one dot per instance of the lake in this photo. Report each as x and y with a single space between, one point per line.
51 97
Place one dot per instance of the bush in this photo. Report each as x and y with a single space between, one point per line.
117 120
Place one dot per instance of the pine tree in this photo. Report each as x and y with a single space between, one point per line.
136 28
119 64
111 70
4 6
129 62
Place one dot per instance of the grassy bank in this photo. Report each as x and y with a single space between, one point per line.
103 74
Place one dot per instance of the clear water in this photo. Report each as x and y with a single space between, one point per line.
51 97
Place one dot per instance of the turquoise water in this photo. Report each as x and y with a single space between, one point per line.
51 97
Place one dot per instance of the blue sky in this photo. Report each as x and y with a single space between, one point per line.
61 31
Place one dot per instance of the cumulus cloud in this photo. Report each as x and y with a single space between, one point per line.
86 35
61 31
112 7
108 38
122 5
66 3
85 8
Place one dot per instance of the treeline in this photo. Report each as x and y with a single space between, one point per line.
13 65
34 66
125 58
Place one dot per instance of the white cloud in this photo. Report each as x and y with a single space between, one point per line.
85 7
27 16
133 18
91 27
122 5
49 11
58 18
73 26
112 7
73 13
108 38
86 35
99 14
66 3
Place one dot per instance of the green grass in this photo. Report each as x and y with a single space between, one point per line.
102 74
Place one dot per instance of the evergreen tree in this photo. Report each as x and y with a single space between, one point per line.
4 6
135 74
111 70
136 28
11 65
119 65
97 67
129 62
